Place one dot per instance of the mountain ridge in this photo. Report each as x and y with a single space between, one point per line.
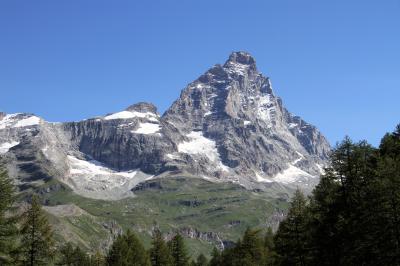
226 126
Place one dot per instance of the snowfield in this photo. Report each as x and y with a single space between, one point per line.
4 147
200 145
147 128
291 174
94 180
132 114
12 121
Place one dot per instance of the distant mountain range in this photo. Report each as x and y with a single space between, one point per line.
226 126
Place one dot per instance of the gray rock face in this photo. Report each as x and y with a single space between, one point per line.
226 126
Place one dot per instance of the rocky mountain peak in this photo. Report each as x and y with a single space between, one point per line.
142 107
241 60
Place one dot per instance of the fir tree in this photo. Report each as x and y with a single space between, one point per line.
388 233
97 259
215 257
159 252
269 247
178 251
291 238
201 261
36 247
128 250
250 249
71 256
7 221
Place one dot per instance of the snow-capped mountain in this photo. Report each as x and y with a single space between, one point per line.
226 126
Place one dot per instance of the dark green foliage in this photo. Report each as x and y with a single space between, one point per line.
159 252
71 256
250 250
389 197
291 238
36 245
8 229
216 258
127 250
269 246
178 251
200 261
353 217
97 259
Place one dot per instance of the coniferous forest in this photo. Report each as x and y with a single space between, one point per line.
352 217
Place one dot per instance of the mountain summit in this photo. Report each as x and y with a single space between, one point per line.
226 126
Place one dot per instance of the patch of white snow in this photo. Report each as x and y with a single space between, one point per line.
259 178
132 114
5 147
12 121
291 175
30 121
200 145
147 128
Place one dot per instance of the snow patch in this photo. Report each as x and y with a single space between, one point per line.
132 114
200 145
291 174
265 109
5 147
207 113
237 68
320 168
94 180
147 128
94 168
31 121
299 159
247 122
259 178
11 121
173 156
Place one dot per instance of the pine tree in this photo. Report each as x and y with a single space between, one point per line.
325 213
291 238
250 249
159 252
71 256
178 251
67 255
8 229
342 206
388 232
97 259
269 247
201 261
36 247
215 257
128 250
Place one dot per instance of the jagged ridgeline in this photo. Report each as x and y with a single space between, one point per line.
226 155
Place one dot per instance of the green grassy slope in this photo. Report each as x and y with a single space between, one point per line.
194 207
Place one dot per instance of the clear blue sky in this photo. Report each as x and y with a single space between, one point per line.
335 63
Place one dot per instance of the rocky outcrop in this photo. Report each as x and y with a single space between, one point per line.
193 233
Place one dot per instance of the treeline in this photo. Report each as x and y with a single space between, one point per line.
352 217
